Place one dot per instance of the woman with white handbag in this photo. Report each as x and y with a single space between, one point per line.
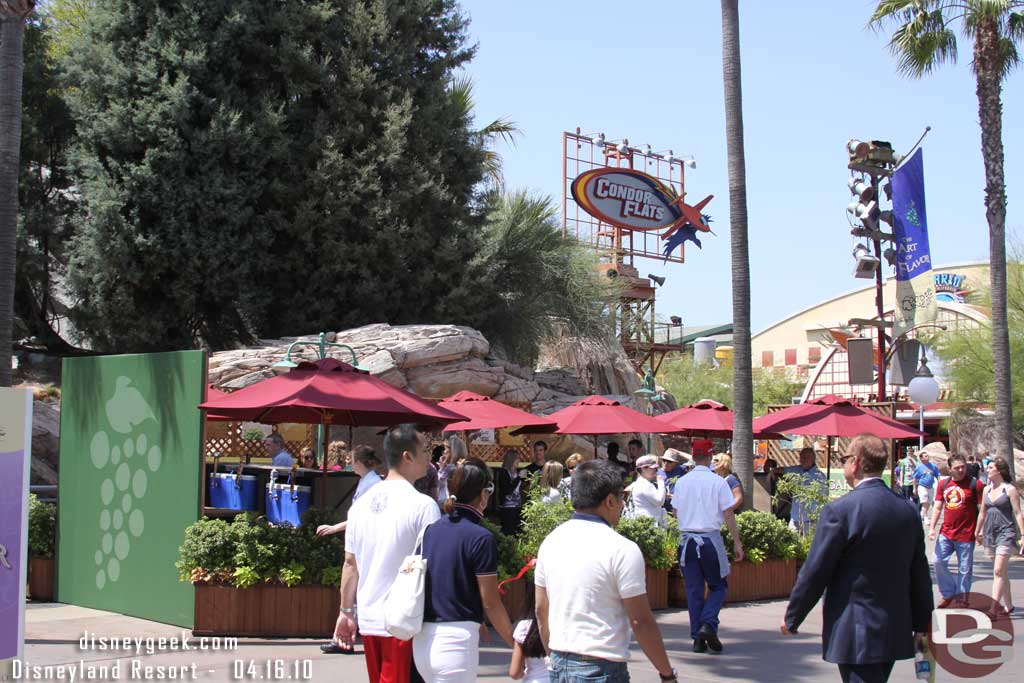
461 582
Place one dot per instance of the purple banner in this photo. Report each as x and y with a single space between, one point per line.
12 563
15 450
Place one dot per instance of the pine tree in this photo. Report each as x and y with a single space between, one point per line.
257 169
46 197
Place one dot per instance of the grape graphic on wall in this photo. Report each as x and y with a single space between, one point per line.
126 458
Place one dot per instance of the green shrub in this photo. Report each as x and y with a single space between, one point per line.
209 548
539 520
657 544
510 561
331 576
292 574
244 577
215 550
42 527
763 536
812 495
318 553
257 545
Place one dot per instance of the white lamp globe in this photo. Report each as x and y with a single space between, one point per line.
923 389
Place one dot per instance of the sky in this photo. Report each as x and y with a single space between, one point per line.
814 76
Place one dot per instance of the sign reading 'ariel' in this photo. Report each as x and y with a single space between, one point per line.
633 200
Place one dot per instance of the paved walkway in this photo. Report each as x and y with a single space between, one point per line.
754 649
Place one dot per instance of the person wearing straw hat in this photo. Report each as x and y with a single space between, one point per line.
675 464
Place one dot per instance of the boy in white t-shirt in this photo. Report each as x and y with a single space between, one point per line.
585 614
383 526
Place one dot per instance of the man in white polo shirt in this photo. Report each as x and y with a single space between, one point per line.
383 526
591 586
702 500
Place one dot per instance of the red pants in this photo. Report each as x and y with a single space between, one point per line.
388 660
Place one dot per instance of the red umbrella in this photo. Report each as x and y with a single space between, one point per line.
833 416
600 415
330 392
215 394
485 413
706 418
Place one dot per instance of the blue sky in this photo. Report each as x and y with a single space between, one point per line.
813 77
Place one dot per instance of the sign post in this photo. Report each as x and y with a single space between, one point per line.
15 462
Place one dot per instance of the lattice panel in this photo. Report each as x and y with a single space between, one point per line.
226 438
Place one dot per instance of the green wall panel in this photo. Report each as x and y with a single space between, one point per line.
129 481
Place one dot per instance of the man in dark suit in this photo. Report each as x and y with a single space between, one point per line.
868 558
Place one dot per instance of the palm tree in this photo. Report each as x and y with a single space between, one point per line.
925 40
461 90
742 384
12 32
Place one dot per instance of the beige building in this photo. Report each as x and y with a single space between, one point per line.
810 342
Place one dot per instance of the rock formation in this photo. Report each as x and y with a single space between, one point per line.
436 361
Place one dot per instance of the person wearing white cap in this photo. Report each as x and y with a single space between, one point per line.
648 491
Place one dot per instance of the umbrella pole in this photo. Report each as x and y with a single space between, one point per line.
326 427
595 446
828 457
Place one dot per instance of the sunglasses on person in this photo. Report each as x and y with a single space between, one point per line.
843 459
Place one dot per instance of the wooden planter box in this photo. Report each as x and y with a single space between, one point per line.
657 587
765 581
747 581
266 611
518 599
676 588
40 578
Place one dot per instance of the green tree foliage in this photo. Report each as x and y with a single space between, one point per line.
690 383
774 386
65 19
461 90
967 354
529 280
47 200
254 168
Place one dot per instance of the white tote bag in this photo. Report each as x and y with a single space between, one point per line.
404 602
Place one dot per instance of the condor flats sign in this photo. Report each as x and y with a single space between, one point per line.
627 199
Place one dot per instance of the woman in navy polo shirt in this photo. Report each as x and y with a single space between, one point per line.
462 582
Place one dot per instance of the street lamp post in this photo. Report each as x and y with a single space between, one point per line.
923 390
647 392
321 346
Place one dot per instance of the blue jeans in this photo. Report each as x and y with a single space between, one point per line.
948 584
696 572
567 667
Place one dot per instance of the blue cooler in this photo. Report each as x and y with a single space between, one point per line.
232 491
286 506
